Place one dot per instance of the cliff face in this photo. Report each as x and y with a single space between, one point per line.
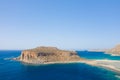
115 51
48 54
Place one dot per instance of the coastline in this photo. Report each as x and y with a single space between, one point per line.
113 65
112 54
90 62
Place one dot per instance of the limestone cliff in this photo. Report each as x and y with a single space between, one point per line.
47 54
115 51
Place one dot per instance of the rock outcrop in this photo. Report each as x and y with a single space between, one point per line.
41 55
115 51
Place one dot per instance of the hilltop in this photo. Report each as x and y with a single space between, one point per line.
41 55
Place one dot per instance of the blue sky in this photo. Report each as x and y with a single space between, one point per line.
67 24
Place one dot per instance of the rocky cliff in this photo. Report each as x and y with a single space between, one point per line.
115 51
47 55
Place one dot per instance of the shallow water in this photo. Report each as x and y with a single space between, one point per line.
14 70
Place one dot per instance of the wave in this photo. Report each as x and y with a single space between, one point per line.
9 58
118 76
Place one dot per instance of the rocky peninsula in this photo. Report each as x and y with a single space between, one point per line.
114 51
46 55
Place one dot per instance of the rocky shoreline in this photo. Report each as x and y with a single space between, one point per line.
44 55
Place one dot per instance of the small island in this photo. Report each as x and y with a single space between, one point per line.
48 55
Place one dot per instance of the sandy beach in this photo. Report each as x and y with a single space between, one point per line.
109 64
113 65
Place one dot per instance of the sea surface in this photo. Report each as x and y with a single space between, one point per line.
15 70
97 55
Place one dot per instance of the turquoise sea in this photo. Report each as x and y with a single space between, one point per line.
97 55
15 70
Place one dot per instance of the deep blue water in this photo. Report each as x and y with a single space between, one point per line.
14 70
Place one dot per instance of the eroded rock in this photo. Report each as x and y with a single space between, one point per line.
48 54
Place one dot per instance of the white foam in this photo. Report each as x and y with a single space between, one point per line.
117 76
9 58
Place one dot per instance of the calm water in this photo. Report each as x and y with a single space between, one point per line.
13 70
97 55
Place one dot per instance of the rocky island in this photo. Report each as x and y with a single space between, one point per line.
46 55
114 51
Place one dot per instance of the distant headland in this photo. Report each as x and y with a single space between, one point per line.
46 55
114 51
